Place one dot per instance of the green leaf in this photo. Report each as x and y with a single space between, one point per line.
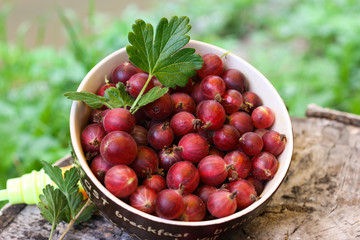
91 99
118 97
86 214
68 185
164 56
152 95
55 174
52 204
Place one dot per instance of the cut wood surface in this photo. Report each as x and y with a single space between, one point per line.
319 198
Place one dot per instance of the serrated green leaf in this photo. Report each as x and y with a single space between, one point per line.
152 95
164 56
91 99
118 97
52 204
68 185
125 96
86 214
55 174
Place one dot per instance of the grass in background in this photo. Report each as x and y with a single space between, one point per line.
309 50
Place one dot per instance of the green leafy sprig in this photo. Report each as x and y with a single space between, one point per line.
162 56
63 202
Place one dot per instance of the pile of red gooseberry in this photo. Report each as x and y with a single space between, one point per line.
199 152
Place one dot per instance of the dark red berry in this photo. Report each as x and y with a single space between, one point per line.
183 123
160 108
160 136
193 147
246 194
211 113
262 117
204 191
213 88
168 157
251 101
222 203
258 184
251 143
241 164
183 103
234 79
213 170
143 199
119 119
264 166
232 101
169 204
121 181
196 94
140 135
91 137
146 161
118 147
101 91
274 142
183 175
155 182
213 65
215 151
123 72
241 121
99 166
195 209
136 83
226 138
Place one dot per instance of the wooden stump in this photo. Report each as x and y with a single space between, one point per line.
318 200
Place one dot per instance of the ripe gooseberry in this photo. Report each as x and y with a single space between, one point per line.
262 117
121 181
211 113
246 193
222 203
119 119
160 135
123 72
143 199
146 161
193 147
195 209
264 166
213 170
213 65
226 138
234 79
274 142
169 204
91 137
251 143
118 147
183 175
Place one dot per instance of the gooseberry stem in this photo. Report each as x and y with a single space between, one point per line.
133 108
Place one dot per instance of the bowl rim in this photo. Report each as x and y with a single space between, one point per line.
86 168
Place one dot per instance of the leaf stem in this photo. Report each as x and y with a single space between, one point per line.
133 107
52 230
73 220
108 105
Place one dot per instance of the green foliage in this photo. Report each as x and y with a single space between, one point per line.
65 202
164 56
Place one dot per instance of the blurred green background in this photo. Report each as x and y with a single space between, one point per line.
308 49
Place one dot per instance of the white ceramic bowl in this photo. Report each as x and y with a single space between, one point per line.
147 226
